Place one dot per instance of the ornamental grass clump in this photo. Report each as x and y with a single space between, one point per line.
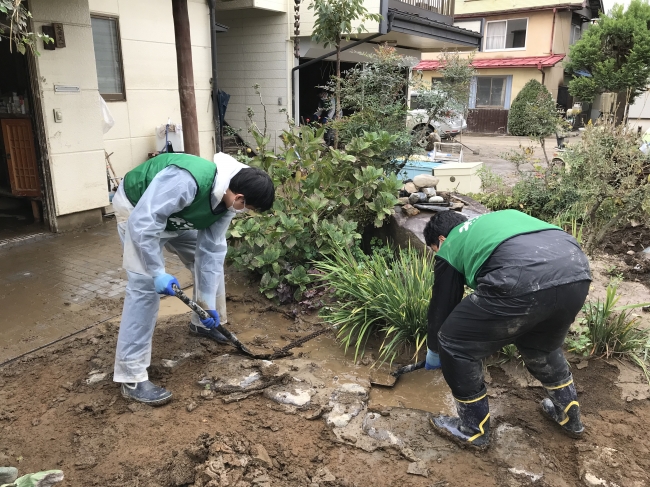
379 296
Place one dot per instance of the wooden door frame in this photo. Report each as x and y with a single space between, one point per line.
40 138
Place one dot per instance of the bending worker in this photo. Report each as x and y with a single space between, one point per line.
183 203
530 280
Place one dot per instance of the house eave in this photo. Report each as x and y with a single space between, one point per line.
406 23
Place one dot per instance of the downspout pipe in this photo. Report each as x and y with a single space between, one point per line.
218 125
320 58
553 30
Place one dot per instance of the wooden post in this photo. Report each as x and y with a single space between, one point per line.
185 76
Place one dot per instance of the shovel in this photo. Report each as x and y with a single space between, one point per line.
283 352
389 380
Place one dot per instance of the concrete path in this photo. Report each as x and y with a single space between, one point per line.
57 285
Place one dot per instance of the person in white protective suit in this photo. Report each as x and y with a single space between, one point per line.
183 203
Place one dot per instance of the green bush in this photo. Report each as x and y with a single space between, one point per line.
324 198
533 112
374 294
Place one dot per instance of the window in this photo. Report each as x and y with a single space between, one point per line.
490 91
576 33
506 34
108 58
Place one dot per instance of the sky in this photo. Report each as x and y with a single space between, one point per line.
610 3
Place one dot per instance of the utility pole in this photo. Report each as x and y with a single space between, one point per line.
185 76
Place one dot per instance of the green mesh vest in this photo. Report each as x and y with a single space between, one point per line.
470 244
198 215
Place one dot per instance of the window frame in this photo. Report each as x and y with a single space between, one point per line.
485 36
572 39
503 95
110 97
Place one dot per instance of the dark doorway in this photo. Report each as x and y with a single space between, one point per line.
21 209
311 78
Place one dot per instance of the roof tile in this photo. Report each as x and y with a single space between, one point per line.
515 62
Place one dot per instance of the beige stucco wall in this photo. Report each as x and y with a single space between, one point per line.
519 77
75 146
256 50
151 77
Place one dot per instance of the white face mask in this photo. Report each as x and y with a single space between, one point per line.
236 211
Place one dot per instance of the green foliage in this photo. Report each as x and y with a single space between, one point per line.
533 113
379 295
578 340
612 333
15 30
334 20
602 185
374 92
509 353
324 199
615 51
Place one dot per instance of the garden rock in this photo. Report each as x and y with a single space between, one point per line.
8 475
429 191
410 210
425 181
436 199
410 188
403 201
417 198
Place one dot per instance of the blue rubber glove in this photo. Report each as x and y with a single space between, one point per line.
213 320
163 284
433 361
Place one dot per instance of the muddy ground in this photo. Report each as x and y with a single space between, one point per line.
319 422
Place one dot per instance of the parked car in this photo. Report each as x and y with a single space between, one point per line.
448 127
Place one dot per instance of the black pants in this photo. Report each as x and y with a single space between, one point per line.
537 323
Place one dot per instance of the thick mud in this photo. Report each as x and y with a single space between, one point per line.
318 423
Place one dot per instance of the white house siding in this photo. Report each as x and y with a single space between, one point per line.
151 77
639 112
255 50
75 146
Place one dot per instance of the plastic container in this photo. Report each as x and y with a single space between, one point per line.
415 167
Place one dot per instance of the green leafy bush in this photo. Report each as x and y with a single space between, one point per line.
375 294
533 112
324 199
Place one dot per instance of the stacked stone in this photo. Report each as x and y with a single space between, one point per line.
421 190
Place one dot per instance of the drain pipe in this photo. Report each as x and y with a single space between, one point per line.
218 123
320 58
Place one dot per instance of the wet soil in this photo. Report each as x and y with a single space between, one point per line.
60 409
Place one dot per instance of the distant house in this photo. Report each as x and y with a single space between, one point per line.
522 40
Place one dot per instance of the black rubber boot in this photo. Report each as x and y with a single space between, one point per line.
472 426
210 333
563 408
147 393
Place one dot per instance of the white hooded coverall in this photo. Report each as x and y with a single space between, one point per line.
143 235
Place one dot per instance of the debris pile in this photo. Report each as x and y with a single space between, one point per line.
421 193
221 460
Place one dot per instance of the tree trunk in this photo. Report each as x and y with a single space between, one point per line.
185 76
337 115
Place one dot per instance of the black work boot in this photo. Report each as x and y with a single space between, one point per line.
562 406
146 392
472 426
211 333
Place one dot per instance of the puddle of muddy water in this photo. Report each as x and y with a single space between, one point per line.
422 389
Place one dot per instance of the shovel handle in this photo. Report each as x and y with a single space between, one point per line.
204 315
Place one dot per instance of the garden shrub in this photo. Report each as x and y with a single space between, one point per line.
324 199
378 295
533 112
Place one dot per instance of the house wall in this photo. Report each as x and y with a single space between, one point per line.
75 146
256 50
562 37
151 77
639 112
520 77
538 36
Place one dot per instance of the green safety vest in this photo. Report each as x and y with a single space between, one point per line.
470 244
199 214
